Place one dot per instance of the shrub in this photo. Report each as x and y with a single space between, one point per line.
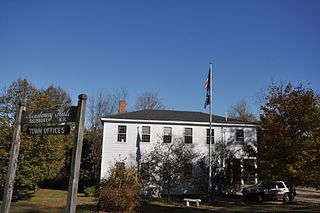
89 191
120 190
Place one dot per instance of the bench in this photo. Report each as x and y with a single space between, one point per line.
197 201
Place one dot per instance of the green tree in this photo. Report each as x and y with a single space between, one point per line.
288 142
19 91
40 157
5 140
88 161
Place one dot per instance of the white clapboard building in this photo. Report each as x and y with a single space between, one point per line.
120 135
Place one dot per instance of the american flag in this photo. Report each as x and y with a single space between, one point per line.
207 87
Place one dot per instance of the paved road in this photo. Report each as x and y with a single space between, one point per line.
307 195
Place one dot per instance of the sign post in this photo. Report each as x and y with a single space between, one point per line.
60 115
76 155
14 153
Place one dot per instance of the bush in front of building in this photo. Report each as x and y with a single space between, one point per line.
119 191
89 191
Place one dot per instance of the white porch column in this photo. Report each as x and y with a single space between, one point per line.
242 171
255 174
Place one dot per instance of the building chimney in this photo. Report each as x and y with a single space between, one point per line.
122 106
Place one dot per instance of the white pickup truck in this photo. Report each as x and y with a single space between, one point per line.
269 191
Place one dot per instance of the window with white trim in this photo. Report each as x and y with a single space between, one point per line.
122 133
188 135
145 134
167 135
212 136
240 135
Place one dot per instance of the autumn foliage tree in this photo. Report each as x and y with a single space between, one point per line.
289 139
40 157
119 191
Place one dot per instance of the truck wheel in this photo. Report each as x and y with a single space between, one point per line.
260 198
286 197
291 197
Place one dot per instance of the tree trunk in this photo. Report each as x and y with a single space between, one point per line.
169 191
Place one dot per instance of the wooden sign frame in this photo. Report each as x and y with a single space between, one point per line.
57 115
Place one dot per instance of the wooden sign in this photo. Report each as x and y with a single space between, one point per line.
48 130
55 115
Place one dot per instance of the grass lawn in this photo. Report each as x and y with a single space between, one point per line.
47 200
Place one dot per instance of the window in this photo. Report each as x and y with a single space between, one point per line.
122 133
145 134
280 185
188 135
188 170
208 136
144 171
167 135
272 185
239 135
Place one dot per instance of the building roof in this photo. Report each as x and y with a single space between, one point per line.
170 115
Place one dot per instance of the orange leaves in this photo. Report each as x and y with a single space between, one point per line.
289 139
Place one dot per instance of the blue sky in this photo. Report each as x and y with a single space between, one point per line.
164 46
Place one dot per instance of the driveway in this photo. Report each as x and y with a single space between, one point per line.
309 195
306 200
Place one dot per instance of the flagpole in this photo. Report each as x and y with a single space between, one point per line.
210 135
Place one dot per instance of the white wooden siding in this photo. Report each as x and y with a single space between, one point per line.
113 150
